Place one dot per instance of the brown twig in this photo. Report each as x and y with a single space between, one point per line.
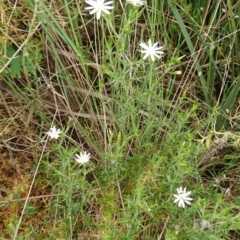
30 198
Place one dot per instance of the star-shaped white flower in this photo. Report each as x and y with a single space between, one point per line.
99 6
182 197
54 133
137 2
83 157
151 50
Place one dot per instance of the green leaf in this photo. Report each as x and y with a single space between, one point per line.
15 65
227 106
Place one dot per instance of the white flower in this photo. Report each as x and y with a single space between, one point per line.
83 157
182 197
137 2
151 50
54 133
99 6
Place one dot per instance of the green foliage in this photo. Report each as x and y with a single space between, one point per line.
26 62
150 127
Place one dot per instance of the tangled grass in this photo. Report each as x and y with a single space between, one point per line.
150 126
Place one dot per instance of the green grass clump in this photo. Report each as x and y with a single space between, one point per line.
150 126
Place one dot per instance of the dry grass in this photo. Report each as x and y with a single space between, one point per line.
19 152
